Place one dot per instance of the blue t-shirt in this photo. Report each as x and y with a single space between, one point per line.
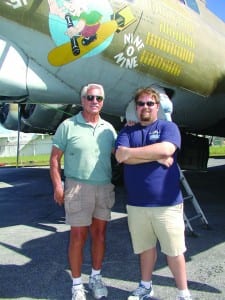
151 184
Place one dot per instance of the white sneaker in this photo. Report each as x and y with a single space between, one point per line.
97 287
78 292
141 293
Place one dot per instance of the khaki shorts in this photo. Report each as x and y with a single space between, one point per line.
85 201
165 224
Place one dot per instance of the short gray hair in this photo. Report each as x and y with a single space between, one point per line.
85 89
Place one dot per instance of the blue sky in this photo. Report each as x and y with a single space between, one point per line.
218 7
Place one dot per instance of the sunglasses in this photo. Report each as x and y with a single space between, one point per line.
92 97
149 103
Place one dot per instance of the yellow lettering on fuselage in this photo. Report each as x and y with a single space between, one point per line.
170 43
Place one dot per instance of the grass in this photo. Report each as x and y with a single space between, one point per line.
217 151
37 160
43 160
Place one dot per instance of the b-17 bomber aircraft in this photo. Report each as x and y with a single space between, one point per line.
50 49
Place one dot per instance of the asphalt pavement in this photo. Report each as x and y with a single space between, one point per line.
34 240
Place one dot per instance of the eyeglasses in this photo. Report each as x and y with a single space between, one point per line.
149 103
92 97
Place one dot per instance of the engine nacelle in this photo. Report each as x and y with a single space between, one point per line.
40 118
36 118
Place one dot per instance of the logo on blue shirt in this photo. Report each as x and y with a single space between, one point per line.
154 136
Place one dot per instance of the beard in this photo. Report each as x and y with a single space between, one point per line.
145 116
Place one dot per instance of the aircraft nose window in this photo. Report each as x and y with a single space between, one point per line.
192 4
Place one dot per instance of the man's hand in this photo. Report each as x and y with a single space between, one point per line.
166 161
130 123
122 154
59 195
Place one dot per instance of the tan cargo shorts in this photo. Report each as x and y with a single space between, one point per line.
85 201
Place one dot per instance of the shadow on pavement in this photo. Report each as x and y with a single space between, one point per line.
34 240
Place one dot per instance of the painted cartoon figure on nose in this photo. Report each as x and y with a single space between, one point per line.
81 22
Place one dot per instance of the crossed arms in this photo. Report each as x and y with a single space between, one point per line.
161 152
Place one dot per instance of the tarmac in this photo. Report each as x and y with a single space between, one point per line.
34 240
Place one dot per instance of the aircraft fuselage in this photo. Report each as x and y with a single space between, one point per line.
133 43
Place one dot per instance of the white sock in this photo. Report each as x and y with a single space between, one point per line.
77 280
95 272
146 284
184 293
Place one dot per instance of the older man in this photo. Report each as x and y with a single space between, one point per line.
86 141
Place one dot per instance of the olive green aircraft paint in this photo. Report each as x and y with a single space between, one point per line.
133 43
166 41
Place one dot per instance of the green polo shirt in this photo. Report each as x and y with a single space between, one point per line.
87 149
